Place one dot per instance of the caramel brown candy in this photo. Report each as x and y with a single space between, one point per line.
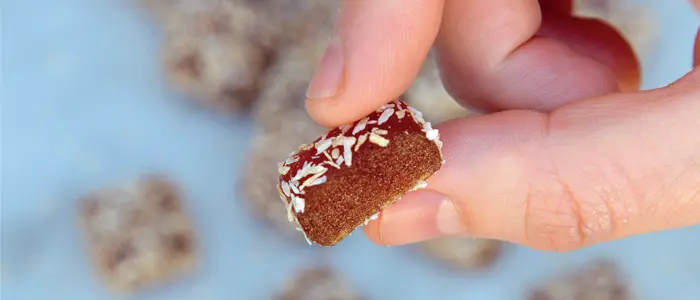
600 280
317 283
347 176
213 51
463 252
138 233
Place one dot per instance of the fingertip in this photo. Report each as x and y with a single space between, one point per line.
413 218
371 231
381 47
325 113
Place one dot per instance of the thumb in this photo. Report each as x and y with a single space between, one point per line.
381 45
592 171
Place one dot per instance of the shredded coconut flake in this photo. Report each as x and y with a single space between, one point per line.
380 131
313 178
283 170
299 204
361 140
318 181
328 156
417 115
400 114
420 185
290 213
360 126
285 188
295 189
347 150
322 145
372 218
378 139
432 134
339 161
385 116
292 159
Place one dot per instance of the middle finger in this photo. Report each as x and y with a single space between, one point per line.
503 54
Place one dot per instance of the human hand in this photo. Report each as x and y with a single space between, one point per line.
568 153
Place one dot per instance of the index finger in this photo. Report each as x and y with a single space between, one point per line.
380 47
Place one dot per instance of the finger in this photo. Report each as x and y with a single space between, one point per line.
592 171
495 55
562 6
597 40
381 47
696 57
696 53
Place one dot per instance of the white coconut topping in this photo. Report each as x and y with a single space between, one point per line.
338 152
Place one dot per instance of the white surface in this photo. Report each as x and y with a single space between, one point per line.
84 105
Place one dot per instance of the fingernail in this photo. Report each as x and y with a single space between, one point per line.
448 220
411 219
329 73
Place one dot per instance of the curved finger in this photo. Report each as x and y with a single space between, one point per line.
696 57
380 48
592 171
503 54
597 40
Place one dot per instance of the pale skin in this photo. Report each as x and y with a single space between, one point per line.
568 153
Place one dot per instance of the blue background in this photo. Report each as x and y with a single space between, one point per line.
84 104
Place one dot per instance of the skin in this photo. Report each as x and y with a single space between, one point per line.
697 53
568 152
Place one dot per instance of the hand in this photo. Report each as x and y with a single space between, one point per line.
568 153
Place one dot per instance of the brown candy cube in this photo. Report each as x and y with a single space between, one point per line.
213 50
463 253
347 176
600 280
138 234
317 283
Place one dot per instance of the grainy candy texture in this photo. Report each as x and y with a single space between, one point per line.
317 283
138 234
600 280
347 176
463 253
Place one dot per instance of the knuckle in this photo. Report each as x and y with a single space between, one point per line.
561 215
566 219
